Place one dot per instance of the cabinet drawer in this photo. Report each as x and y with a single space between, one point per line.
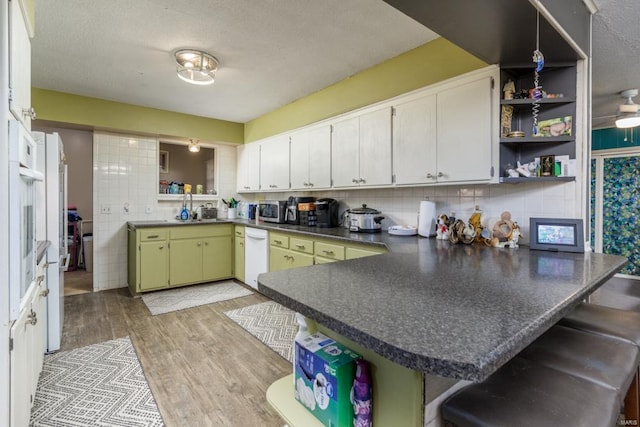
328 250
196 231
238 231
361 252
279 240
301 245
153 234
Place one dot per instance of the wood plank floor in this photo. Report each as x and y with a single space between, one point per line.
203 369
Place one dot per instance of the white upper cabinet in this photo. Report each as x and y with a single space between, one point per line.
361 150
20 64
465 132
414 141
311 158
274 163
248 172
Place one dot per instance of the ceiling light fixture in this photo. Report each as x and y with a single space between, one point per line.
628 116
196 67
194 146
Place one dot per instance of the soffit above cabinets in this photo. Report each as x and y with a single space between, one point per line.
500 31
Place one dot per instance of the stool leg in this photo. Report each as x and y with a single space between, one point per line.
632 401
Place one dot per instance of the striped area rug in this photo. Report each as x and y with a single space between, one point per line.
161 302
271 323
97 385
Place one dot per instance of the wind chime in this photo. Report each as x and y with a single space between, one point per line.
538 59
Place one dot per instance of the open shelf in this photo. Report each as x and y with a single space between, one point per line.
537 140
507 180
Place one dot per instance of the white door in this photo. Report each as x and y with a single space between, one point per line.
20 60
414 141
274 163
299 152
319 143
344 153
248 173
256 255
464 129
375 148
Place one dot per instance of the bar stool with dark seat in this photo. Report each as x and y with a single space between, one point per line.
526 394
606 361
598 319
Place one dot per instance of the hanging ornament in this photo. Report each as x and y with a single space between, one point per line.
536 93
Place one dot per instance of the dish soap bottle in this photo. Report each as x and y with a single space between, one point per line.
184 214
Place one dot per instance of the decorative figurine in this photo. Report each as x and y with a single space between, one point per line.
461 232
506 233
476 222
442 227
509 89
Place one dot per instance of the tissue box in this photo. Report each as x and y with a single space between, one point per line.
324 373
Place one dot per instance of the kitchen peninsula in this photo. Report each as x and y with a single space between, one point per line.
451 311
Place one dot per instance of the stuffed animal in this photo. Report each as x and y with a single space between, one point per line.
442 227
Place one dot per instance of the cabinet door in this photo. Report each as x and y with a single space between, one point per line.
465 132
21 370
239 258
217 260
154 262
320 157
299 160
353 253
248 173
300 260
185 263
375 148
414 141
344 153
278 258
19 64
274 163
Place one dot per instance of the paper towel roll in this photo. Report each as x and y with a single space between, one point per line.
427 219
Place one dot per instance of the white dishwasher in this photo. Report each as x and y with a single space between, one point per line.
256 255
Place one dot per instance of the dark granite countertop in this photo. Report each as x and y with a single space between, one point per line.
451 310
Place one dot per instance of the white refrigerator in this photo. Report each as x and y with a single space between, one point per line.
51 225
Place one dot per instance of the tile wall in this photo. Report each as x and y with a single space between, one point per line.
125 180
125 173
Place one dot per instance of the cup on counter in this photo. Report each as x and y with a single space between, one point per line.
231 213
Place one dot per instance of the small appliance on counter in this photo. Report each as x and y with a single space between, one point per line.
327 213
293 213
272 211
365 220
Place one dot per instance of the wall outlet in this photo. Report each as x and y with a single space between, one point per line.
148 209
105 209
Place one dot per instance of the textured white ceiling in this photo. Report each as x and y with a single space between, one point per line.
272 52
616 57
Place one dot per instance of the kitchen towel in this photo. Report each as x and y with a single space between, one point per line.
427 219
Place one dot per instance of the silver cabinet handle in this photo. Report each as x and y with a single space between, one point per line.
327 252
32 318
362 180
29 112
241 243
300 246
153 236
311 184
440 174
161 247
199 243
355 180
45 293
430 175
279 242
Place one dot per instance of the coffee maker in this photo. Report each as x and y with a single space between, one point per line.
327 212
292 215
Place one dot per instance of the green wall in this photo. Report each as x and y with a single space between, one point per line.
422 66
108 115
427 64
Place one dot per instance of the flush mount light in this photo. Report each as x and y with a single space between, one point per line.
194 146
196 67
628 116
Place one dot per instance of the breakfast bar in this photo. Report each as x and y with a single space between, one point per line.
443 310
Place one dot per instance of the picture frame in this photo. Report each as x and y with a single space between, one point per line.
163 161
547 165
556 234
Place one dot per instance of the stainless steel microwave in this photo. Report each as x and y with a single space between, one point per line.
272 210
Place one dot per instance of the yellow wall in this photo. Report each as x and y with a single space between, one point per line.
108 115
422 66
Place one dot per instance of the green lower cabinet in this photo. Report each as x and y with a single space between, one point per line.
358 252
185 264
320 260
154 265
284 259
238 259
217 258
